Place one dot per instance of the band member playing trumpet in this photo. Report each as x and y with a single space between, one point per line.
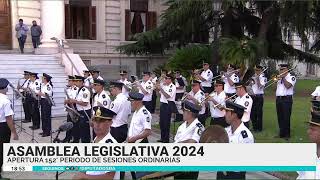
25 102
257 83
229 78
153 79
35 87
82 102
140 126
206 78
146 88
72 91
217 101
284 93
197 97
244 100
168 94
122 107
88 81
126 84
45 93
189 132
181 84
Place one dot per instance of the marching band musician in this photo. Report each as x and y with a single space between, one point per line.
46 90
126 84
88 81
122 107
96 74
217 102
140 125
181 84
258 82
101 99
244 100
167 96
7 127
237 133
189 132
316 94
72 91
197 97
153 79
82 101
35 86
101 121
206 78
146 88
26 102
284 93
229 78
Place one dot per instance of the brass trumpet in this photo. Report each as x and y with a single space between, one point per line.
276 78
222 73
225 100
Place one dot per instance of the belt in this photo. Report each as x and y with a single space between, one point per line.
258 95
284 97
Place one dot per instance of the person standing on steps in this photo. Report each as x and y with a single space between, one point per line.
35 33
22 30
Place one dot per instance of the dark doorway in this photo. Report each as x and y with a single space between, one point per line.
5 25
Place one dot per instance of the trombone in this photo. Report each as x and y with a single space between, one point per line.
231 97
277 77
226 73
186 95
254 76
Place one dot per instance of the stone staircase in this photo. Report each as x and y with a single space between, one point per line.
13 65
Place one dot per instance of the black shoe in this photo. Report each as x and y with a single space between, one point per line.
25 121
31 127
35 128
45 134
159 140
65 140
41 133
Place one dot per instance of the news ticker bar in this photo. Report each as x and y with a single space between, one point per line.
158 168
159 157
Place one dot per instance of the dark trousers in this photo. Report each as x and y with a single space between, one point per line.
22 41
257 112
202 118
35 113
119 133
45 116
284 107
35 41
5 135
165 119
231 175
148 105
221 121
153 102
26 108
179 117
82 127
187 175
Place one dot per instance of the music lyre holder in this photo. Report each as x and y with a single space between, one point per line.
57 140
